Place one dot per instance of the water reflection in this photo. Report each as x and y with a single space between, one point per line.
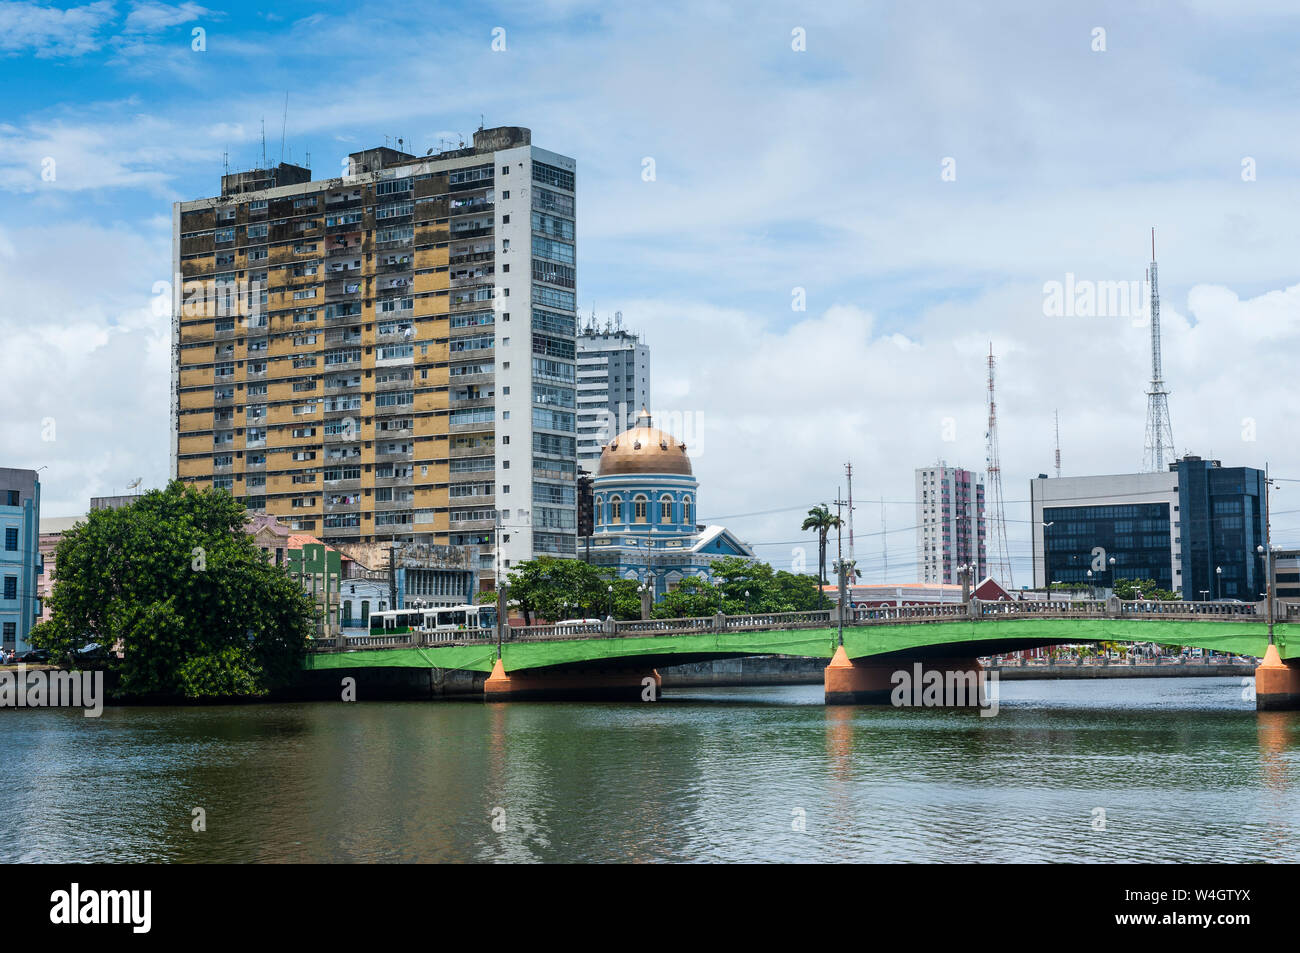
1184 769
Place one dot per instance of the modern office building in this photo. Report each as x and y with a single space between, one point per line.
613 385
20 556
949 524
1286 574
388 355
1193 529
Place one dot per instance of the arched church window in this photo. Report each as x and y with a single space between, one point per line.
639 504
665 509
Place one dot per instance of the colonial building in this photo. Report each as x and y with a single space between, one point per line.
645 501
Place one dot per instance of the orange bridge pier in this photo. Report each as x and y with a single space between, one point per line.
1277 683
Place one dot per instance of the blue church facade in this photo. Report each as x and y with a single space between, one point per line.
645 500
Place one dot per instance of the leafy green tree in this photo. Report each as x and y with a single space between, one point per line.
552 589
1131 588
693 598
176 586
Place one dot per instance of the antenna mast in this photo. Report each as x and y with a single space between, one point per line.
999 560
1160 437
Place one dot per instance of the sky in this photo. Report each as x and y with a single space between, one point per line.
820 218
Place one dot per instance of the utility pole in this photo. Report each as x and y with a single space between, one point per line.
848 469
1268 553
841 576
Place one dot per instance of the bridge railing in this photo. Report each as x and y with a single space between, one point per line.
778 620
1153 607
908 613
824 618
680 626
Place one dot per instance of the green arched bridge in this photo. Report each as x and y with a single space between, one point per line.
879 636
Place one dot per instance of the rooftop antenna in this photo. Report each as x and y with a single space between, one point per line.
999 558
1160 437
1058 444
263 142
284 124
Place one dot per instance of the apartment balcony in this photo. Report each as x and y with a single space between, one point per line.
486 499
342 507
473 281
467 379
398 457
455 452
471 403
394 506
347 287
337 413
394 432
396 268
386 386
479 231
341 485
471 258
344 228
471 525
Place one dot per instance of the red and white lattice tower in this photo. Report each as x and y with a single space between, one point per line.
998 549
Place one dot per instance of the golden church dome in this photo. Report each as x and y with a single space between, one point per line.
644 449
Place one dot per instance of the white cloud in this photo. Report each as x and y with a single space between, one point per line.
152 17
50 32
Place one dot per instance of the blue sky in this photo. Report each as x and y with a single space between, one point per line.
775 169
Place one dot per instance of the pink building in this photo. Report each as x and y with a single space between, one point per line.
51 530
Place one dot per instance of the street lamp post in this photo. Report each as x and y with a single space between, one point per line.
747 602
1218 583
1092 593
611 600
1111 563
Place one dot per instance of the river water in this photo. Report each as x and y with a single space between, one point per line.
1116 770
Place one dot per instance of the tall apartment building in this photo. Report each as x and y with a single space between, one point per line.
949 524
389 354
1193 528
20 556
613 387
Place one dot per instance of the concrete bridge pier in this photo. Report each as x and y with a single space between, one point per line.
903 682
1277 683
588 683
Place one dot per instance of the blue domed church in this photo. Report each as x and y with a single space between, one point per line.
646 505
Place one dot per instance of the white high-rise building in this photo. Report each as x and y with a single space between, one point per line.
613 386
949 524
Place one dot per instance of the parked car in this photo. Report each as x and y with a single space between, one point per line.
35 657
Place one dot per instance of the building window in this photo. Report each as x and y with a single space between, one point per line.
686 510
11 539
11 587
639 508
13 497
665 509
616 509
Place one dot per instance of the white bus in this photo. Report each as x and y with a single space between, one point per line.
421 619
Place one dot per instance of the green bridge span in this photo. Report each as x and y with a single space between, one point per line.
917 639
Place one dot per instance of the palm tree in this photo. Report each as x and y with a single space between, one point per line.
821 520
